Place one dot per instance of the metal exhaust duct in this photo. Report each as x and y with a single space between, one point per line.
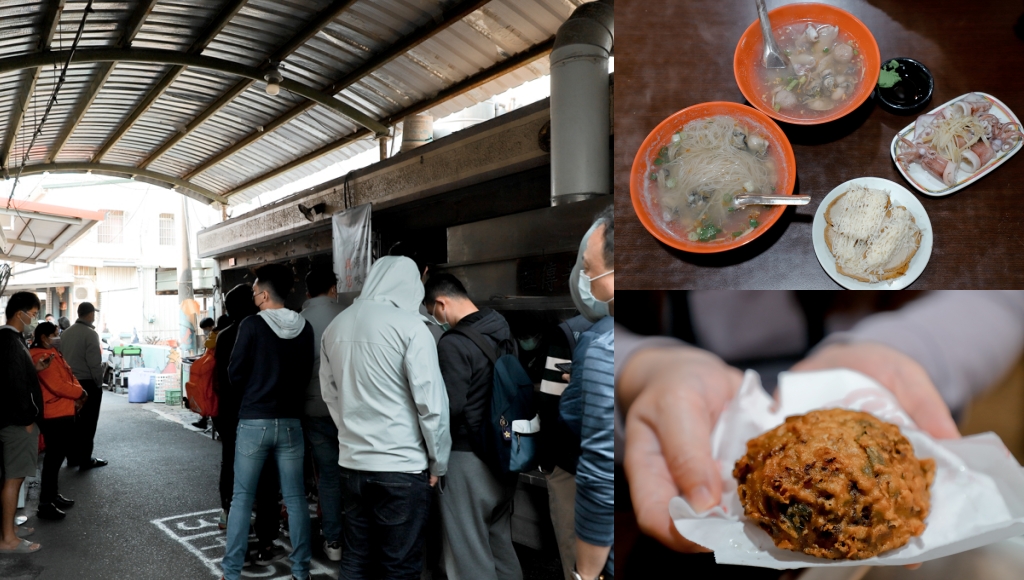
580 116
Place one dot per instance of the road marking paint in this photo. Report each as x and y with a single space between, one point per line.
190 531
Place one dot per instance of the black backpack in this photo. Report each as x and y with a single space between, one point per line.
507 436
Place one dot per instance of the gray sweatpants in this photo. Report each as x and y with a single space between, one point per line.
562 504
476 514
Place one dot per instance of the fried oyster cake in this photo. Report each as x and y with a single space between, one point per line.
836 484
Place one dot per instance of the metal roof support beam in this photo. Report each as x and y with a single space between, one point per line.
50 21
412 40
184 187
483 77
47 29
154 56
204 40
319 21
132 27
17 242
84 102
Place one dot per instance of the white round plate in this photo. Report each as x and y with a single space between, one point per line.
899 196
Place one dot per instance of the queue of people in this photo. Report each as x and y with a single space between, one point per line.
391 413
389 396
51 386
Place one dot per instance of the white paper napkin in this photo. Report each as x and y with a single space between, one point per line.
977 497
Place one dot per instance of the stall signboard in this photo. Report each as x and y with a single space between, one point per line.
351 240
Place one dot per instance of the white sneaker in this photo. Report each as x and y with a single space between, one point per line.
333 551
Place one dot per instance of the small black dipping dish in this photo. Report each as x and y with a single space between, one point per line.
912 92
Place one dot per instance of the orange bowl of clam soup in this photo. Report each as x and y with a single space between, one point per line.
833 64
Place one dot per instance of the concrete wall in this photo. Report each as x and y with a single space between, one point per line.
507 145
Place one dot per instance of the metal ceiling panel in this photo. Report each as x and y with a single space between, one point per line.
364 29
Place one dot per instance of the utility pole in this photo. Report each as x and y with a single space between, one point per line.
187 305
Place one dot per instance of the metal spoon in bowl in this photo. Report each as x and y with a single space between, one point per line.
758 199
772 55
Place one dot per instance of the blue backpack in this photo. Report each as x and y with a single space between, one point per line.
507 437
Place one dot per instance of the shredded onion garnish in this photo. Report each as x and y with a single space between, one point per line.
952 136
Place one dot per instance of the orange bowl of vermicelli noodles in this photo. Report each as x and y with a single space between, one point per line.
691 165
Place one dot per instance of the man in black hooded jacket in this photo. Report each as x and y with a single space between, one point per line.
238 302
21 406
476 503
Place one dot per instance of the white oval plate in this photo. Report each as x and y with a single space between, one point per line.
899 196
927 183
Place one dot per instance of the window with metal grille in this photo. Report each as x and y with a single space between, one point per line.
109 230
85 270
167 229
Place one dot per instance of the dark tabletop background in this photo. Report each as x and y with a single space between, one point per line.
671 54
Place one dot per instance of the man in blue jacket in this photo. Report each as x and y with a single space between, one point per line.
272 361
21 405
587 406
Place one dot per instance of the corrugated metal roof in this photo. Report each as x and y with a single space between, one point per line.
232 147
41 232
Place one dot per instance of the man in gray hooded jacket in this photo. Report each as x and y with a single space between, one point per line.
380 378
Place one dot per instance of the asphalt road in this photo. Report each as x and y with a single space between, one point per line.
152 513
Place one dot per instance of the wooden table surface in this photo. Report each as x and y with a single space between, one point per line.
671 54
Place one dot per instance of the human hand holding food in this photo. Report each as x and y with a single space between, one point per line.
898 373
672 398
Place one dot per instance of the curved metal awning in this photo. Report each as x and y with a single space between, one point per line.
173 92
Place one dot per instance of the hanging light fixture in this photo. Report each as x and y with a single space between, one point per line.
273 78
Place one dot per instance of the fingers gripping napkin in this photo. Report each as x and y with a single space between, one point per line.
976 495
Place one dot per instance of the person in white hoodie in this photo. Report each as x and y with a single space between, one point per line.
381 382
272 362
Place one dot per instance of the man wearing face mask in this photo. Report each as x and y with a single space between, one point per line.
271 362
558 450
80 346
587 407
476 503
21 406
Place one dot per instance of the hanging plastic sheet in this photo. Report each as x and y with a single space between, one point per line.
351 240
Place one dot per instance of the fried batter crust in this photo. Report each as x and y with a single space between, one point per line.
836 484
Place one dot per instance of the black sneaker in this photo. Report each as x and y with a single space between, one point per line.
48 511
269 555
92 464
63 502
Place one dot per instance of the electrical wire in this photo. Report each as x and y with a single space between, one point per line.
5 276
34 255
53 100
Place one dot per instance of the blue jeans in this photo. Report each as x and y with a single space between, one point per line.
323 436
257 440
384 524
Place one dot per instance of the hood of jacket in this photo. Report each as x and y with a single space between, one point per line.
574 280
396 280
488 323
285 323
